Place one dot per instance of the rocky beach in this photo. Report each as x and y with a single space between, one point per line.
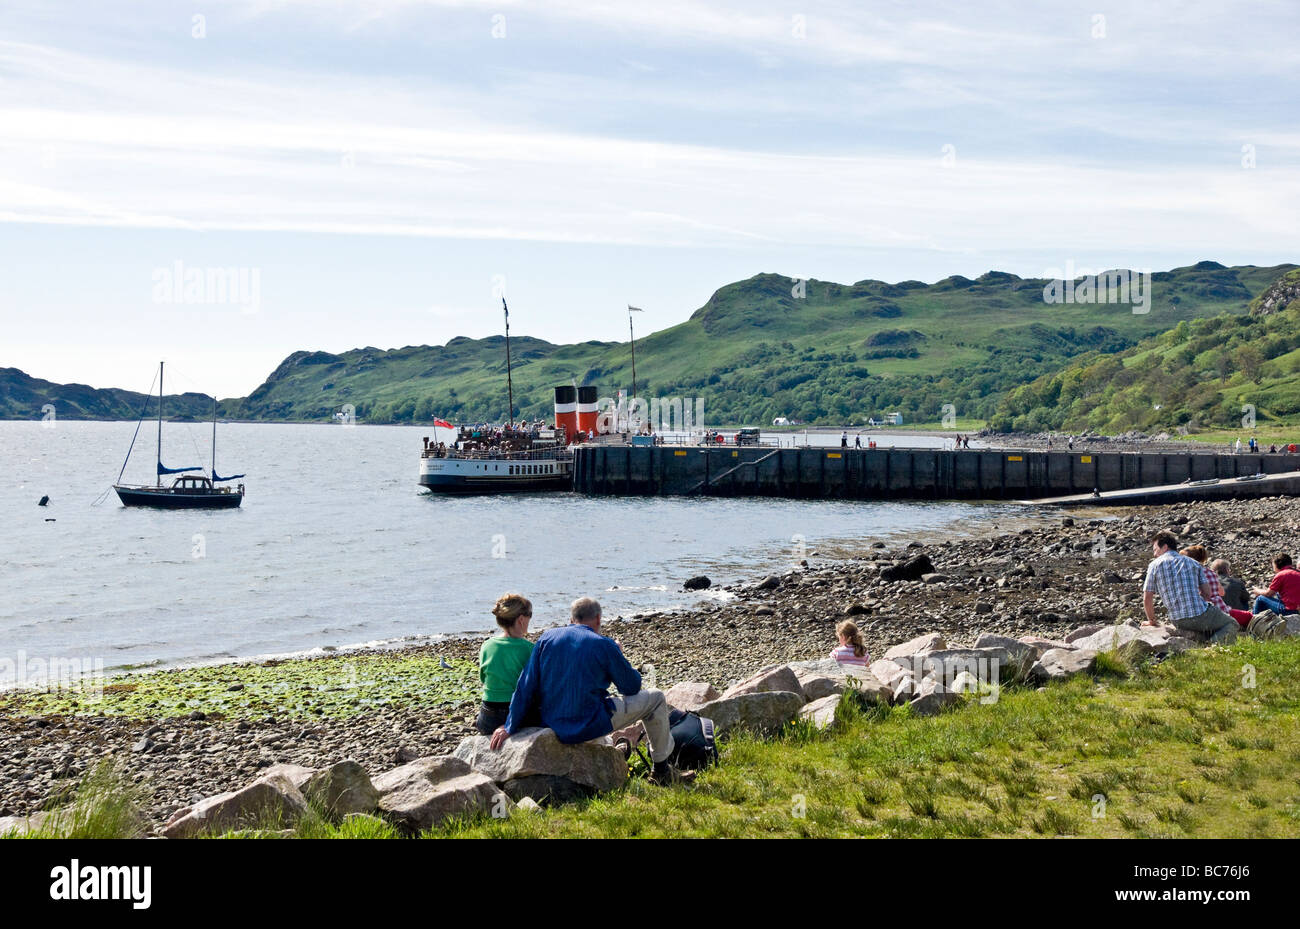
184 735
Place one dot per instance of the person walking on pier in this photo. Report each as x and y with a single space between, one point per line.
844 439
1181 584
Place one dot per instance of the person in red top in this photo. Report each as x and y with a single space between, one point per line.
1283 593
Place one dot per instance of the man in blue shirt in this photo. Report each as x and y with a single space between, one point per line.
566 685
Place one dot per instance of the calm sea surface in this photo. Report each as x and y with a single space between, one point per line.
336 545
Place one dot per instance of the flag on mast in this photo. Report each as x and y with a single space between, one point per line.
634 309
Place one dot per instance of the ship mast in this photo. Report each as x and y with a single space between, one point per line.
630 310
510 387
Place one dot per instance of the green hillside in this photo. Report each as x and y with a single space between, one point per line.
754 352
24 397
1199 375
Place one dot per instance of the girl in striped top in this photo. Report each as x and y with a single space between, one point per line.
852 651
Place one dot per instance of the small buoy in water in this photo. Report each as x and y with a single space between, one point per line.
44 501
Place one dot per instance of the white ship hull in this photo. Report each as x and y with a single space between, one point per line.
494 475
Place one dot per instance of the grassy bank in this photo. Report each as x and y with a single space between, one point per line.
1179 749
1203 745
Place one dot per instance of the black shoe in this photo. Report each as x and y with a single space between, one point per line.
665 774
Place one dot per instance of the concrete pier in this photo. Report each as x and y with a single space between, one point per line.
902 473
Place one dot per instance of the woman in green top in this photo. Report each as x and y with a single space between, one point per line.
501 660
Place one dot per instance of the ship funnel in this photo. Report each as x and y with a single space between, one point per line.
587 410
566 411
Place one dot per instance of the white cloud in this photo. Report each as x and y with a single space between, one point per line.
127 145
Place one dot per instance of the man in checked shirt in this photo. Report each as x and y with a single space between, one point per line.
1183 590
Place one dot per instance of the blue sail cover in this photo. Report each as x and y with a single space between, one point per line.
162 470
217 477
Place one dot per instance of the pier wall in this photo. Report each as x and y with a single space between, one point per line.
905 473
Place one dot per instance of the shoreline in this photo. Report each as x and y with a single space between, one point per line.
198 731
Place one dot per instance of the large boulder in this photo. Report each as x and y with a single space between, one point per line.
932 698
764 713
930 642
1057 664
911 570
823 677
295 774
824 712
769 679
888 672
432 768
819 686
1131 642
1082 632
417 803
905 690
690 695
340 789
986 664
819 678
1041 645
597 765
271 801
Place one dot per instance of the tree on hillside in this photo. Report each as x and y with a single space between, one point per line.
1251 361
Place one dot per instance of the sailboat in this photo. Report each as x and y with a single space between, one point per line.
187 492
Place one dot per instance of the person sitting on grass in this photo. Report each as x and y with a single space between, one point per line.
1235 593
1181 584
501 660
566 685
852 651
1282 595
1245 619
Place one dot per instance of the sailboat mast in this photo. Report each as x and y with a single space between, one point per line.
158 466
510 387
214 439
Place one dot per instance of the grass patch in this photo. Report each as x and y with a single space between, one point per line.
1156 742
104 805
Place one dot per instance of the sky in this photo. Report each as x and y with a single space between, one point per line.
377 172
